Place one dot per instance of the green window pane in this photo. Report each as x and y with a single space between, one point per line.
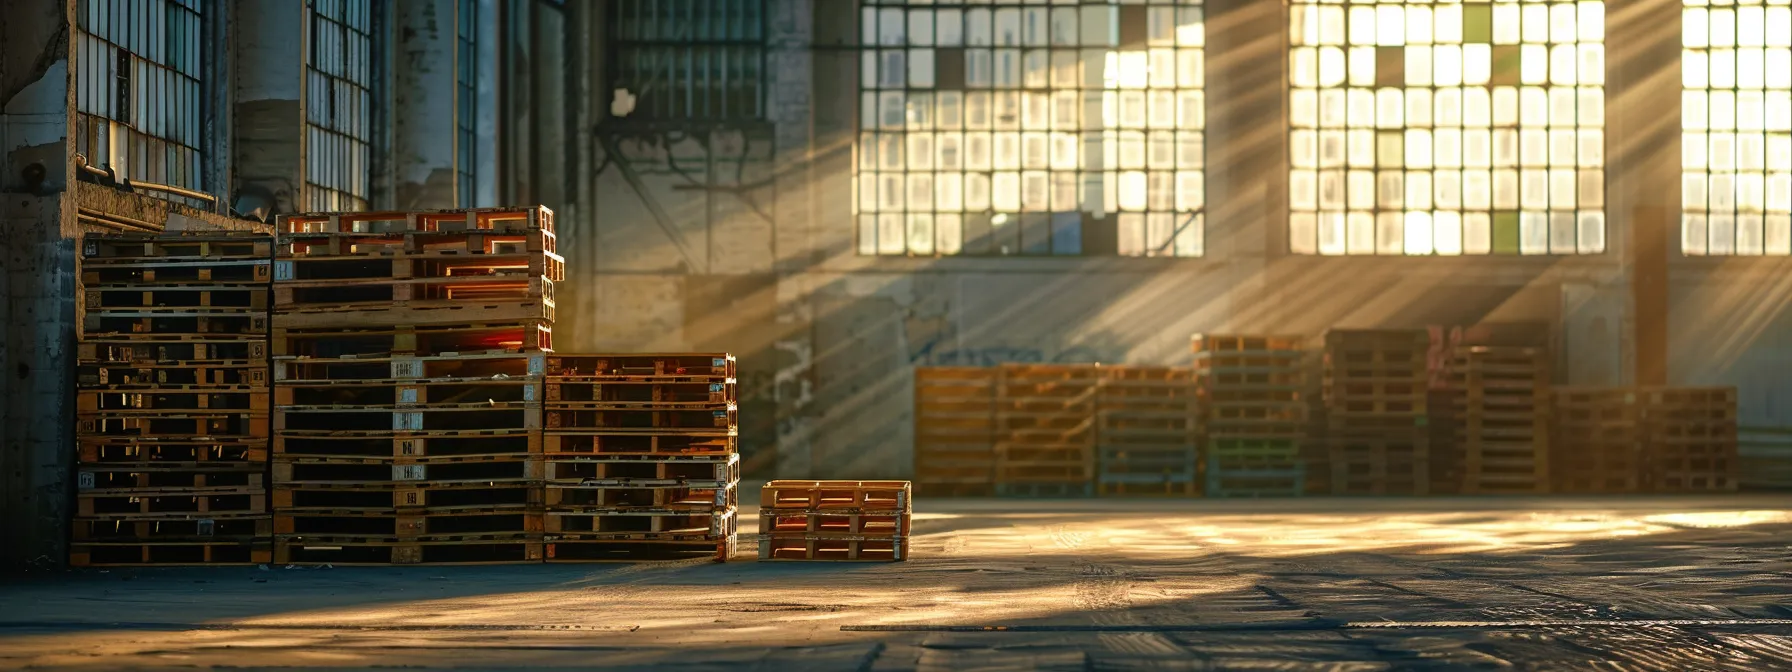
1477 23
1505 232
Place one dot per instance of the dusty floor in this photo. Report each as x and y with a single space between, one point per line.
1337 584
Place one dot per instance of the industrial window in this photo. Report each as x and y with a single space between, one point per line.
339 123
139 101
692 59
466 78
1008 128
1736 112
1447 128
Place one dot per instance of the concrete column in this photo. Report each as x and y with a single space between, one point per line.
486 116
37 283
1642 44
552 136
269 106
423 104
1247 130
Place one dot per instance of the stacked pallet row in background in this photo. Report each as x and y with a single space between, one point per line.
835 520
642 457
954 430
1598 440
1764 454
1502 419
1376 389
1252 414
1145 432
1689 438
172 400
409 353
1045 430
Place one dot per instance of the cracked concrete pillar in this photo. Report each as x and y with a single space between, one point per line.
269 106
424 87
37 283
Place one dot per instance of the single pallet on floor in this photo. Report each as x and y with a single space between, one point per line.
955 430
1145 432
1376 389
642 457
409 359
1249 399
172 400
865 521
1045 430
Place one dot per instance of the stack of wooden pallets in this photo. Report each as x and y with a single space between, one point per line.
172 400
1597 440
1502 419
1249 391
1376 388
1045 430
835 520
1690 439
642 457
1145 432
954 430
409 351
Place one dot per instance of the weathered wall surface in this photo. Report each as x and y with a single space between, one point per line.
672 266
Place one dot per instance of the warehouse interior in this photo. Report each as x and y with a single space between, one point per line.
782 181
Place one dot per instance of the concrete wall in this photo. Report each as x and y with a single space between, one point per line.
844 332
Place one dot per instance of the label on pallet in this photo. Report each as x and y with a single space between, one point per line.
407 422
407 368
407 395
283 271
408 472
85 479
407 447
206 527
90 248
538 365
528 393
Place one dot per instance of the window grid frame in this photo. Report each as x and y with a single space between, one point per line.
1034 71
1503 218
339 146
1708 226
161 43
707 64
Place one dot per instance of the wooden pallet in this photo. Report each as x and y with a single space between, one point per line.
305 256
644 471
1218 343
643 416
220 527
172 553
1063 488
833 548
173 350
440 419
110 477
172 324
418 312
647 367
576 390
869 523
591 497
1690 438
387 497
573 550
106 450
173 425
421 340
1254 483
824 495
129 504
126 272
154 400
352 224
467 550
207 247
701 441
304 298
289 471
390 526
503 442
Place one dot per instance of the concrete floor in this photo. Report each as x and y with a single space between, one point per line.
1332 584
